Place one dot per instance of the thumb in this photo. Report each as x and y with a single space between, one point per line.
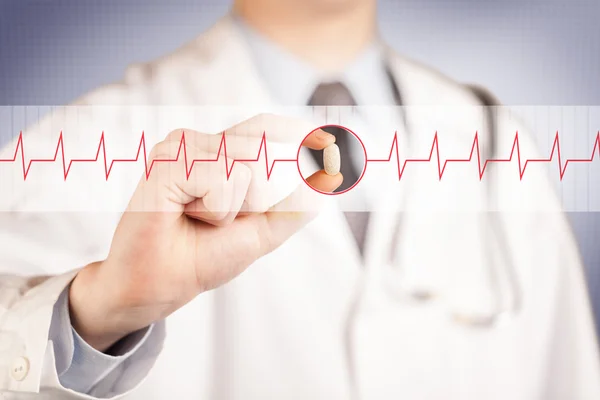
257 234
294 212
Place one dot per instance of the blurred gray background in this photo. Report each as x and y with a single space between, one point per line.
528 52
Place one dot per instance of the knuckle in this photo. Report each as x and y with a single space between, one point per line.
263 117
263 236
242 172
175 135
161 148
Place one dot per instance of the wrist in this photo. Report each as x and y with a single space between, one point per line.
94 309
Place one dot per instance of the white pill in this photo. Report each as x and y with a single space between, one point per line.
331 159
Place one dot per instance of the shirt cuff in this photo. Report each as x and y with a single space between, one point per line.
79 366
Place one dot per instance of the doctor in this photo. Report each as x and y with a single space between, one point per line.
144 305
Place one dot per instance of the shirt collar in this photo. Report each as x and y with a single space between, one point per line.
291 81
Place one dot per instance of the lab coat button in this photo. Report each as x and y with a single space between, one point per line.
19 368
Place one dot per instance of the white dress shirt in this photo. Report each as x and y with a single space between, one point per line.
291 81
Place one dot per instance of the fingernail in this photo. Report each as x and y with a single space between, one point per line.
321 134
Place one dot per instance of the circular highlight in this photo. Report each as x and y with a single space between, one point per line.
350 145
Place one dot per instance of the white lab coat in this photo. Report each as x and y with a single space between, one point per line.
308 321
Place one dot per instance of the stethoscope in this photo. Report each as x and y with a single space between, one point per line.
500 266
508 300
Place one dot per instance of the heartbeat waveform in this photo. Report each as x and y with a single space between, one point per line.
476 150
60 149
475 153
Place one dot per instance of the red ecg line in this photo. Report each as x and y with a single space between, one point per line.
60 149
475 149
189 164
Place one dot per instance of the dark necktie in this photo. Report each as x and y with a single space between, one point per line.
336 94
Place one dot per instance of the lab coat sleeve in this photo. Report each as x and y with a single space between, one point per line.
28 364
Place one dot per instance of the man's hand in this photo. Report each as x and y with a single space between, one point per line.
181 237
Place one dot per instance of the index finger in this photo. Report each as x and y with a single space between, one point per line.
285 129
318 140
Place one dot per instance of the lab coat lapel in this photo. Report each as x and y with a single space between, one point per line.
231 79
